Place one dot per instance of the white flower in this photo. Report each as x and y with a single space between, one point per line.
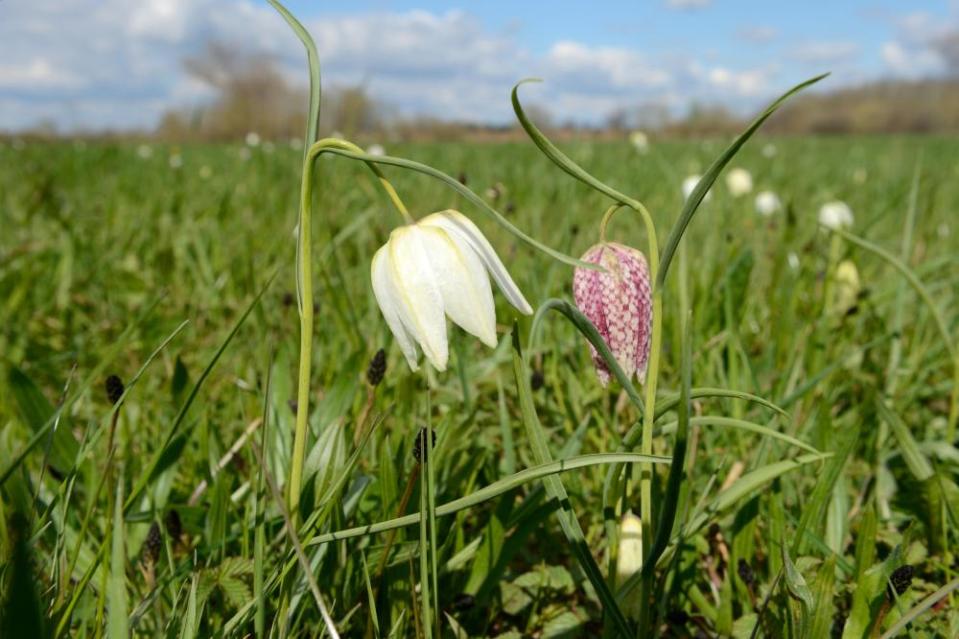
144 151
435 268
848 286
835 215
253 138
375 149
689 184
767 203
793 260
639 140
739 181
629 559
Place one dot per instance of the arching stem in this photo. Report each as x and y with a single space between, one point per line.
304 288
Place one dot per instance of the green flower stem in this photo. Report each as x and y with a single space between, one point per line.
652 370
305 290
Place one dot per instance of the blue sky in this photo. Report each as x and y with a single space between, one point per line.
103 63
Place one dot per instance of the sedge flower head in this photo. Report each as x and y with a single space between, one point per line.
618 303
436 268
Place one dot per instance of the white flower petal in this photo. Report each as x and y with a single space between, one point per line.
420 303
387 298
462 228
463 282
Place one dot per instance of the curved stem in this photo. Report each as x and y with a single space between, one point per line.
304 288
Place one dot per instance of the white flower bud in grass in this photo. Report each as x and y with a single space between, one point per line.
629 558
439 267
835 215
689 184
253 139
848 286
639 140
767 203
739 182
375 149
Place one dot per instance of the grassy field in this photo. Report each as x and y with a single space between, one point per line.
830 510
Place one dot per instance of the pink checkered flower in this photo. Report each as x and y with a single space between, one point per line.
618 302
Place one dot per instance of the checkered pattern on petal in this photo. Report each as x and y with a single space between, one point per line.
618 303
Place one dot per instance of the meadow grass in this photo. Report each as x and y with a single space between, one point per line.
105 253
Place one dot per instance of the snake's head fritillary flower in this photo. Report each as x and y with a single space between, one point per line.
767 203
739 182
689 184
438 267
835 215
618 303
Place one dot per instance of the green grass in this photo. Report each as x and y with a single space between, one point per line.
103 256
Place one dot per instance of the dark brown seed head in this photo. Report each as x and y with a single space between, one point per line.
153 544
288 299
462 602
900 580
745 572
377 368
419 446
293 405
114 386
462 178
174 527
536 380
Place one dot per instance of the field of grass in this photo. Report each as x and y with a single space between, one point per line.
828 510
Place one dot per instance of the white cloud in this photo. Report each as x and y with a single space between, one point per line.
910 62
119 64
924 45
759 34
820 53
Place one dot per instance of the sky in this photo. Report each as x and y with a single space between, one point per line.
98 64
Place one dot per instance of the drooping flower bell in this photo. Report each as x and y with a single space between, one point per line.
618 302
434 268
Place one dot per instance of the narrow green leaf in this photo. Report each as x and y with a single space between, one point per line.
559 158
917 463
313 60
494 490
556 491
705 183
117 587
